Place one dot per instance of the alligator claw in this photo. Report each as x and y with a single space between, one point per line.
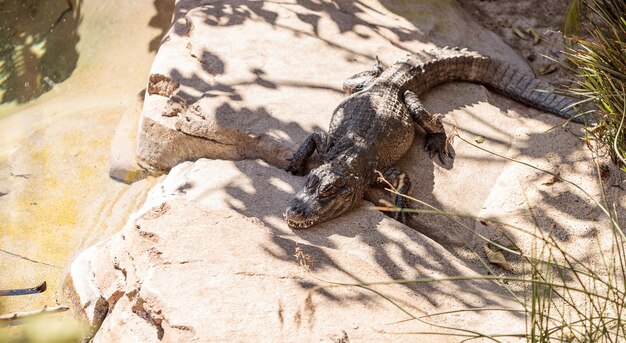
400 216
441 158
436 143
295 168
451 152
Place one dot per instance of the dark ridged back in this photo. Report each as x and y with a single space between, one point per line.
425 70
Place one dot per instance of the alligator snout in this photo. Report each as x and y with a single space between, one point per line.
295 216
295 213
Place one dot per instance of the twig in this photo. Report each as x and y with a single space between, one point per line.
29 259
23 291
21 315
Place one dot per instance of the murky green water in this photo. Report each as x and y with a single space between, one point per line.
38 43
69 70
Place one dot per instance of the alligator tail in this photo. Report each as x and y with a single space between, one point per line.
525 88
463 65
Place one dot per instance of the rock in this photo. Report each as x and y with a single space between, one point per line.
208 258
79 290
4 186
5 178
162 85
175 105
122 159
259 100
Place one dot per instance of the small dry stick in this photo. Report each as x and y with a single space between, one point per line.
23 291
380 178
21 315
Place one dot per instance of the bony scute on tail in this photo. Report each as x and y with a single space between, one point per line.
374 127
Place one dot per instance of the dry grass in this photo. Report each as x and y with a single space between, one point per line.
595 36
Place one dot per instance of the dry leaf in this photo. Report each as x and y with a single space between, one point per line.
535 35
497 258
547 68
479 139
553 179
519 33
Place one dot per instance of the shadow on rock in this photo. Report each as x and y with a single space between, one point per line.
394 250
161 20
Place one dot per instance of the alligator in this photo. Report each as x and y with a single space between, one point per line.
375 126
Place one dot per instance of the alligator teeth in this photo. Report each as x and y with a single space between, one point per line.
300 225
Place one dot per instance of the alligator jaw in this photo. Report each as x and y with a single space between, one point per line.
300 225
296 216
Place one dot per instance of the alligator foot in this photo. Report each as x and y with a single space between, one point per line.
402 184
436 139
297 163
437 143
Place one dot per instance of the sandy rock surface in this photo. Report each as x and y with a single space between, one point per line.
250 80
258 77
208 258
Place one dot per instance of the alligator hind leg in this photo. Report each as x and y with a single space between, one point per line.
436 139
297 163
401 183
359 81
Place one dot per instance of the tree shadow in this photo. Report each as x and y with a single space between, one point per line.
268 183
386 237
37 46
161 20
267 190
345 14
263 184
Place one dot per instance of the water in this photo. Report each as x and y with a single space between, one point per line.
69 70
38 42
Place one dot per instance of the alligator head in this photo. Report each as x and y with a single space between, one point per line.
330 190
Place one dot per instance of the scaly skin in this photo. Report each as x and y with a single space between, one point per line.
374 127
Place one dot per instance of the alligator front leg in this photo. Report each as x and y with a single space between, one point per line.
436 139
359 81
297 163
401 183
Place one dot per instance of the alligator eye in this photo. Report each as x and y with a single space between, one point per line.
312 182
326 190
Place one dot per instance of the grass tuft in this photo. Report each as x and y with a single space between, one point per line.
598 65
